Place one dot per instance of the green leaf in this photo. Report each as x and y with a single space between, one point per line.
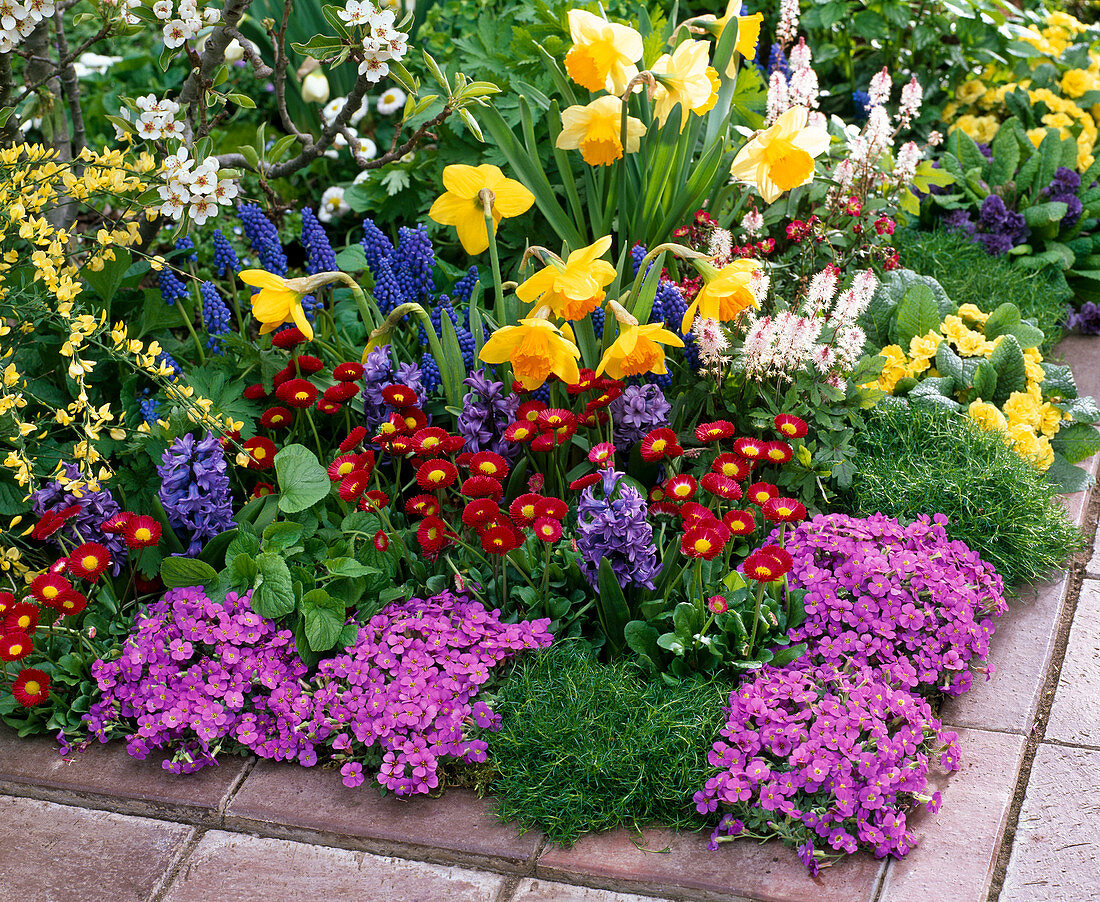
1076 442
107 281
243 543
1067 477
788 654
274 596
324 619
281 535
351 259
1046 214
1058 381
918 314
242 100
984 384
302 480
685 618
1027 335
242 572
614 613
950 364
346 566
1008 360
180 572
642 639
1002 320
1006 154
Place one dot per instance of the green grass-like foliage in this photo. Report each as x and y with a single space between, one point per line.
970 276
921 461
586 746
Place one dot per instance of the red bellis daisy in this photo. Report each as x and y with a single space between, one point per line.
22 618
659 444
276 418
760 493
749 448
348 372
142 532
15 646
261 453
790 425
297 393
89 560
784 510
714 432
436 474
400 396
31 687
777 452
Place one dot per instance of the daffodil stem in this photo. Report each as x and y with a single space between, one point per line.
494 259
194 335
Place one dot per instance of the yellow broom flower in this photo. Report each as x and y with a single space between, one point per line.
575 288
536 348
596 130
462 205
638 350
781 158
724 295
685 77
603 54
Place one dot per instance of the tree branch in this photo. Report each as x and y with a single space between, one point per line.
213 54
71 86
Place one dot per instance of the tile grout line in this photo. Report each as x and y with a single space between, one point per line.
1036 736
235 785
168 878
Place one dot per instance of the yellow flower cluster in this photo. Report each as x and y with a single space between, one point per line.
33 181
979 105
1027 421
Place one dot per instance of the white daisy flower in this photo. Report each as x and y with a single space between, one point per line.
391 101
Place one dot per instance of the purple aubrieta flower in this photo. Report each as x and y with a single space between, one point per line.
94 508
637 411
614 526
194 488
486 412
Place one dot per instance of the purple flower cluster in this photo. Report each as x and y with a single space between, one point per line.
615 527
321 257
1063 188
407 688
197 676
1086 320
638 410
998 229
94 508
379 373
827 757
486 412
264 238
904 599
194 488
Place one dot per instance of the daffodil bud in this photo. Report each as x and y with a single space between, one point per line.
315 87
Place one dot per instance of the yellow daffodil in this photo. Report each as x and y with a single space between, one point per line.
463 204
685 77
724 295
536 348
638 350
276 302
596 130
748 32
603 54
575 288
781 158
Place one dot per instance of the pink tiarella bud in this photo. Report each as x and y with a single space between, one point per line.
800 56
912 95
935 139
879 90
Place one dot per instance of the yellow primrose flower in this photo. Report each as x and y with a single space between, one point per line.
781 158
894 369
1050 420
603 54
724 295
969 91
463 207
973 313
1024 442
277 301
573 289
638 350
685 77
987 416
925 345
596 129
973 344
1021 407
536 348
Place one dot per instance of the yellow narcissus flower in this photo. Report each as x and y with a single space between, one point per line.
748 32
685 77
781 158
278 300
573 289
987 416
638 350
724 295
462 205
603 54
535 348
596 129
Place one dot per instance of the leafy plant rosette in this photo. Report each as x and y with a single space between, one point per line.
984 365
1026 200
1054 82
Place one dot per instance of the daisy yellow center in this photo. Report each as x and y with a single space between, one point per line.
410 422
437 476
523 433
787 429
32 687
387 429
51 592
681 491
487 469
16 648
89 562
259 453
702 546
784 511
430 442
761 497
301 396
346 467
775 455
143 534
762 570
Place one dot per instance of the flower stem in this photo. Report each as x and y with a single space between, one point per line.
756 620
494 259
194 335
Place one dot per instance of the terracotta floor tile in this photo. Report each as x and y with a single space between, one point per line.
107 771
233 867
663 861
59 853
959 844
1057 843
458 826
